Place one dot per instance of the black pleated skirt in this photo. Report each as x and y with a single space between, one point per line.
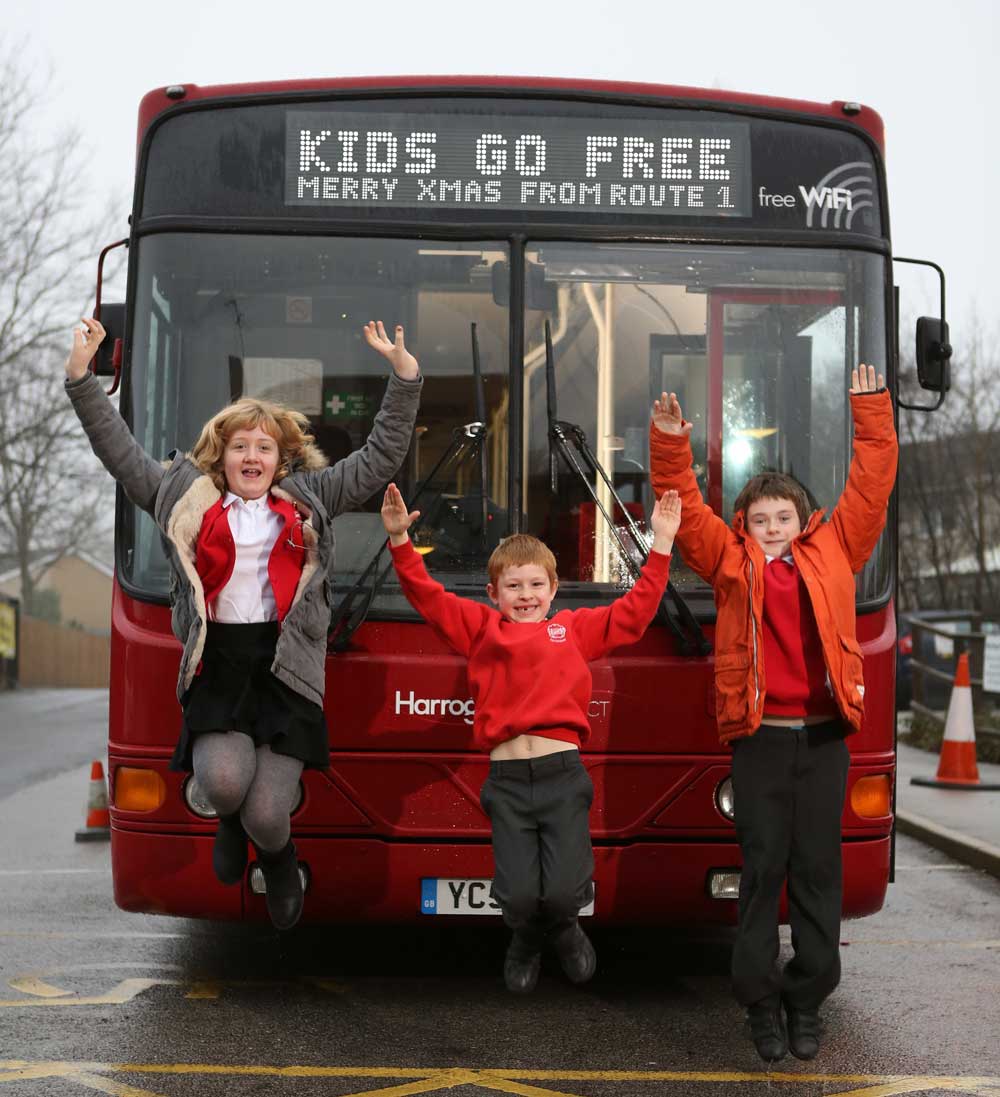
236 691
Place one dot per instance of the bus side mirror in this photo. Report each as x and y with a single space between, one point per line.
933 355
108 360
539 294
933 348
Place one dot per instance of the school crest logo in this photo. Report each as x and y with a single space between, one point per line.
557 633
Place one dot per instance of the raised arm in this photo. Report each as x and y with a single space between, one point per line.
348 483
458 621
703 534
110 438
598 631
860 513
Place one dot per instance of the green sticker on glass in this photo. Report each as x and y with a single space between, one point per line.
346 405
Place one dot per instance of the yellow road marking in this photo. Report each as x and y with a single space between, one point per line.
204 989
109 1085
445 1079
495 1080
28 984
906 1085
415 1080
16 1072
124 992
42 993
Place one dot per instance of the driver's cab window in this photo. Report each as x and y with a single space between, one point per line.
757 343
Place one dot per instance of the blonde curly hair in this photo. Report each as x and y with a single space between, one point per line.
290 429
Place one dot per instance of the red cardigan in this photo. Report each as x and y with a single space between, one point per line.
215 556
530 679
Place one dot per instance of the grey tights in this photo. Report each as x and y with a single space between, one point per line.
259 784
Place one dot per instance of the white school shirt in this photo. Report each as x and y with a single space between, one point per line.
248 598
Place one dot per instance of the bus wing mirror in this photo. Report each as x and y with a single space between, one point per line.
933 348
539 294
110 354
108 360
933 354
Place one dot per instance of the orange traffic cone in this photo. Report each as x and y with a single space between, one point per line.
98 819
957 765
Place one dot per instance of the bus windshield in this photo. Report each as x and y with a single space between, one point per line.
757 342
220 316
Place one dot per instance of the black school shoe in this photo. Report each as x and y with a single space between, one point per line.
803 1032
767 1030
576 954
229 851
283 885
521 966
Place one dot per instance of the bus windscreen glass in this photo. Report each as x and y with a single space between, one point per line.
758 342
221 316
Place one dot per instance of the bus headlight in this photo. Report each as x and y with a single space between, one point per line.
197 801
724 883
724 797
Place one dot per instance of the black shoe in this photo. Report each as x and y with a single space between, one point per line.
284 886
803 1032
521 966
576 954
229 852
767 1030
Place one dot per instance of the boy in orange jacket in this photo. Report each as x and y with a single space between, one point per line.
789 688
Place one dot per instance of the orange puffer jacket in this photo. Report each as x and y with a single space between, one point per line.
827 554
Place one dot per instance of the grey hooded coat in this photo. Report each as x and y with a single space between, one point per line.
177 494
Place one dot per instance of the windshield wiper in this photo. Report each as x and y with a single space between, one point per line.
569 441
466 441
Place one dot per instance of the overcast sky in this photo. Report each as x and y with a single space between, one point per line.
930 69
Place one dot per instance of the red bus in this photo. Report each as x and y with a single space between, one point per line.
731 248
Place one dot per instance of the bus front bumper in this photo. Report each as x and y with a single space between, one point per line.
368 880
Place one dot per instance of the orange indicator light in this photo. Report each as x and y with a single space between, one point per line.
870 796
138 789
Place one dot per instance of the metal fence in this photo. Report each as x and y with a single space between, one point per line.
939 638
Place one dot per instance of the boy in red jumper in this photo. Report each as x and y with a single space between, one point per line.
531 685
789 687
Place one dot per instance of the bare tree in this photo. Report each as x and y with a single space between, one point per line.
950 487
49 486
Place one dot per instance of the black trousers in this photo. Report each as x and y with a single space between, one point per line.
788 789
543 860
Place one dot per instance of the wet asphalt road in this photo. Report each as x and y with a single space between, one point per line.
95 1000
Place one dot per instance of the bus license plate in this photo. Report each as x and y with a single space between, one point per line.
440 896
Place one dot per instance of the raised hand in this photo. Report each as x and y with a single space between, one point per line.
863 379
667 415
395 517
666 520
405 365
86 340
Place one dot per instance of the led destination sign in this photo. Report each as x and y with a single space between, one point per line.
508 162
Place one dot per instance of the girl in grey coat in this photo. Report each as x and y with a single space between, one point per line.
246 520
